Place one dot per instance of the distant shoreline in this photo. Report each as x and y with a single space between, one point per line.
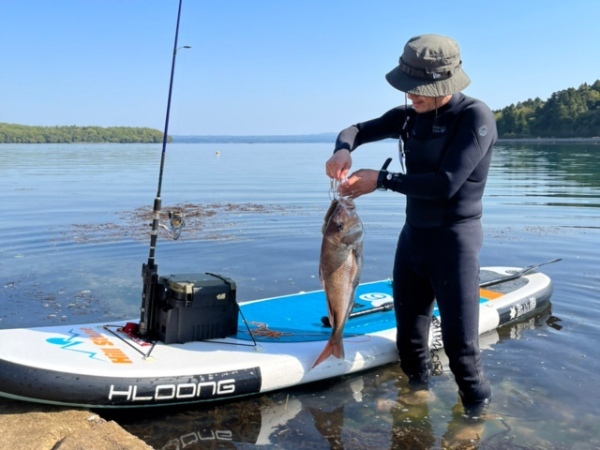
552 140
331 137
325 138
262 139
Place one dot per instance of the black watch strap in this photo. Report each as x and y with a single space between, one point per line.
381 180
383 175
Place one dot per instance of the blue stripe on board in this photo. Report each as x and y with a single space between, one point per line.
297 317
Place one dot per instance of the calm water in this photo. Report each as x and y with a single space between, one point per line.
74 237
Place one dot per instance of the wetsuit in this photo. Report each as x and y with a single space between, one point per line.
448 153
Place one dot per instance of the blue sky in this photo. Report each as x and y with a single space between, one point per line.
271 67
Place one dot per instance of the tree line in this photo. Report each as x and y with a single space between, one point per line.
570 113
23 134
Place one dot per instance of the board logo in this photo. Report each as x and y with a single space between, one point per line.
517 310
186 389
376 298
180 391
198 438
102 344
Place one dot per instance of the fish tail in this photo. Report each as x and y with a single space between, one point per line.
335 347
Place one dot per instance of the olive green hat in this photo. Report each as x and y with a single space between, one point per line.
429 66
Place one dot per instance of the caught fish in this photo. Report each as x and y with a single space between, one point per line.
340 267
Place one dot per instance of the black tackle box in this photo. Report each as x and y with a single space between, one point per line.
196 307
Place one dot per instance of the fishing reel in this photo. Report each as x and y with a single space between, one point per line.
176 223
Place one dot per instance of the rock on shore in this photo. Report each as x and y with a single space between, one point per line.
45 427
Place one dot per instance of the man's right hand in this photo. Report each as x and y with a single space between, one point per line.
338 166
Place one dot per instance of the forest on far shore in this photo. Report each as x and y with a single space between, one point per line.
571 113
23 134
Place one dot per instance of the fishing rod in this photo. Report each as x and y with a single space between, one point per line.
389 306
150 269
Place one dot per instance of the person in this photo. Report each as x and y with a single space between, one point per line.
445 139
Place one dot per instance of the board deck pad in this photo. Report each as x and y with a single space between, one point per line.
297 317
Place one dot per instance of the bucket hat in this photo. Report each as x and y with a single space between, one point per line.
430 66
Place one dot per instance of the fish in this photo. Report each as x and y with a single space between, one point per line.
340 269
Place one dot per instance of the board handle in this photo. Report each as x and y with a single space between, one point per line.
381 308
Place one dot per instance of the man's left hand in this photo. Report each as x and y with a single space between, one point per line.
361 182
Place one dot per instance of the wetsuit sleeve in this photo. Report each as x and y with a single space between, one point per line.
475 135
384 127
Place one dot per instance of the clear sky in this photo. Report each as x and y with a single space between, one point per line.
272 67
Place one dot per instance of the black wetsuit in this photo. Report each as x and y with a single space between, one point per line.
448 153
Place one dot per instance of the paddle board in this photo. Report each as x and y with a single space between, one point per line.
105 365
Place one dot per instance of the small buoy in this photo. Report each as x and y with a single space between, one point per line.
217 153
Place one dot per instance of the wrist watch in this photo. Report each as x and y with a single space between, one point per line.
384 175
381 178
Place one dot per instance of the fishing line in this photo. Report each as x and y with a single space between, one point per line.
333 184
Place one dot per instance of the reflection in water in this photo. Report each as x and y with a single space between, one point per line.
566 162
376 409
543 184
330 425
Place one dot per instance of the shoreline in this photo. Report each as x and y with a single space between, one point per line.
550 140
293 139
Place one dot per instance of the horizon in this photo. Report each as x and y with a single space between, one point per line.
272 68
279 134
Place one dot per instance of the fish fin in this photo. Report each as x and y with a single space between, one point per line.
335 347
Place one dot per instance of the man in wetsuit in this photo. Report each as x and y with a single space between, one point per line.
446 140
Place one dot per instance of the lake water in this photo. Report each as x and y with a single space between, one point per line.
74 234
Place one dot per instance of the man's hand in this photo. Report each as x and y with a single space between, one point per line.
361 182
338 166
